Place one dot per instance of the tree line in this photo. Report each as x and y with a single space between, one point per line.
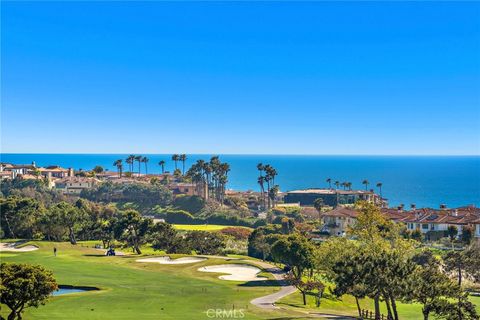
210 178
84 220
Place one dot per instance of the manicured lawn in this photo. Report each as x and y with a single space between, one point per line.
346 306
203 227
132 290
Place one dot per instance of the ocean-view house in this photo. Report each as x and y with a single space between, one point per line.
432 223
74 185
331 197
337 221
56 172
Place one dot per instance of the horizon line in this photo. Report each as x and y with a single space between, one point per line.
248 154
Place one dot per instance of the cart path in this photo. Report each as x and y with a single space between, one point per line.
268 302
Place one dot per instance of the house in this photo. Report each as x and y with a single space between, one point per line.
183 188
108 175
56 172
337 221
429 220
6 175
433 223
74 185
18 169
331 197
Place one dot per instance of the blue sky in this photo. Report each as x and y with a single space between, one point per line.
241 77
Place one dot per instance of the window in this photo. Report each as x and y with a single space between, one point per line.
425 226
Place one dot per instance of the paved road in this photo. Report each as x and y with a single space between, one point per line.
268 302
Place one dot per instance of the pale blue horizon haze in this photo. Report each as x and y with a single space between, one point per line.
351 78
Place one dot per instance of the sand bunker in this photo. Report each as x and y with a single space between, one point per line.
11 247
168 260
236 272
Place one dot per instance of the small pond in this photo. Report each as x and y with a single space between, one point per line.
70 289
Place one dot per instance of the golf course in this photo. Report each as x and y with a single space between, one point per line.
128 288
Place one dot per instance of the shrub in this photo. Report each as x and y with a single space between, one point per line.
204 242
238 233
192 204
179 217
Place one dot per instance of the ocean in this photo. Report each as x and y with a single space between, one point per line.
427 181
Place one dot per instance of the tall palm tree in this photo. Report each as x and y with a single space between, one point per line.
348 185
329 181
268 178
130 160
318 205
273 194
183 158
273 173
119 165
260 168
366 183
162 164
261 181
337 184
379 186
145 161
139 159
175 158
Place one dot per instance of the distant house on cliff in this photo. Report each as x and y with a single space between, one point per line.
337 221
331 197
56 172
74 185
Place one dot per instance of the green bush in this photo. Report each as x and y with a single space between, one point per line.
192 204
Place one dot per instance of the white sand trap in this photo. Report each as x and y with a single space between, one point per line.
168 260
10 247
236 272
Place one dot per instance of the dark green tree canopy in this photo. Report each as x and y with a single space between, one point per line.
23 286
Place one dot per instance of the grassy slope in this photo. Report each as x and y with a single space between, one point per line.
131 289
203 227
346 306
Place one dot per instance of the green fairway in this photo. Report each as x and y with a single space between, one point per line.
132 290
203 227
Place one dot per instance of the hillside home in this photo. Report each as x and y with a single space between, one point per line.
75 185
331 197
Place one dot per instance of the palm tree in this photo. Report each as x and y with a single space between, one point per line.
329 181
261 181
145 161
119 165
366 183
139 159
273 194
260 167
183 158
130 160
349 185
337 184
379 186
175 158
162 164
318 205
